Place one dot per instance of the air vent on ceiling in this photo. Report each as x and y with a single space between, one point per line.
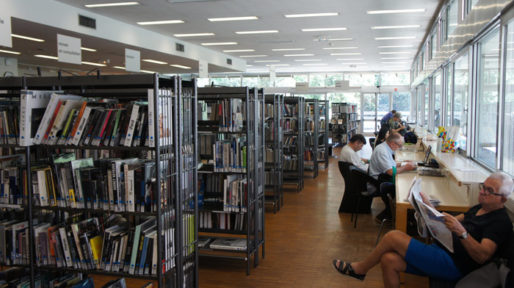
87 22
179 47
229 61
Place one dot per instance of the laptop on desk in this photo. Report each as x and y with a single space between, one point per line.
426 162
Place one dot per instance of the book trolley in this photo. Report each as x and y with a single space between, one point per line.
108 181
231 177
293 144
274 153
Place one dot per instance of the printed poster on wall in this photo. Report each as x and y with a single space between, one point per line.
68 49
5 29
132 60
203 69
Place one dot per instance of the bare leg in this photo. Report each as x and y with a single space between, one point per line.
392 264
394 241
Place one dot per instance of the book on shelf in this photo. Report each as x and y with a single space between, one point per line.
230 155
233 244
229 113
220 220
9 121
290 109
227 193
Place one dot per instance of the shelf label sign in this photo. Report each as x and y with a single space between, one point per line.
302 85
272 75
5 29
203 69
68 49
132 60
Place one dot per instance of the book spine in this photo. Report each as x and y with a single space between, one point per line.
25 107
151 120
131 126
81 125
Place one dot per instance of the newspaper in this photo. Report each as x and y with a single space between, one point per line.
434 220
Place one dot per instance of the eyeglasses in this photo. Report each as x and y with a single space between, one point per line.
489 190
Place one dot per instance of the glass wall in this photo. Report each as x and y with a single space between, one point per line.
461 99
449 95
452 15
487 109
402 104
437 94
508 123
426 100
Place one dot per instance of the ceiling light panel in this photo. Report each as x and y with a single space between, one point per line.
219 43
27 38
395 27
395 38
160 22
340 48
339 39
193 35
242 18
395 58
266 61
155 61
395 52
396 62
398 11
88 49
315 64
396 46
257 32
10 52
147 71
288 49
180 66
323 29
311 15
277 65
298 55
345 54
100 5
350 59
253 56
307 60
46 56
93 64
238 50
119 67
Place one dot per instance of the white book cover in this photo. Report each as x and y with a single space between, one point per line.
60 119
43 193
82 124
151 121
129 187
132 125
154 255
75 232
65 247
32 109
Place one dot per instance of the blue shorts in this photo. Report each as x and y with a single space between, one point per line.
430 260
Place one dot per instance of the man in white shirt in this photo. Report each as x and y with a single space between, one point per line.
349 152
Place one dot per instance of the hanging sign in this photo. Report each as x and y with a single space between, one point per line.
5 29
132 60
272 75
203 69
68 49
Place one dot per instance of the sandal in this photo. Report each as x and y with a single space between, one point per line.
346 268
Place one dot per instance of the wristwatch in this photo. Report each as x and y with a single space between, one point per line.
464 235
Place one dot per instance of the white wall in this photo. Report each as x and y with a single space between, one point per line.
8 66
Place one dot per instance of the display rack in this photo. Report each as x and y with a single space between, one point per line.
293 144
231 133
274 153
312 125
169 202
343 123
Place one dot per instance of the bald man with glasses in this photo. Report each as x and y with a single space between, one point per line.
477 234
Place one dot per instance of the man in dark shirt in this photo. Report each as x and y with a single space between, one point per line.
476 236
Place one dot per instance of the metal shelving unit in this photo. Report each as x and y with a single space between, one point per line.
323 155
293 144
343 122
311 116
273 134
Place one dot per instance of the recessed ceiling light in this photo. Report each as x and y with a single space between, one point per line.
343 54
88 49
310 15
93 64
257 32
315 64
160 22
193 34
10 52
239 50
27 38
252 56
396 62
46 56
180 66
307 60
111 4
298 55
396 11
339 39
395 27
395 52
349 59
340 48
354 63
119 67
288 49
266 61
395 58
155 61
242 18
248 65
147 71
323 29
218 43
277 65
396 46
395 38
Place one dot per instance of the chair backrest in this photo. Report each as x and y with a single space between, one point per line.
359 178
344 168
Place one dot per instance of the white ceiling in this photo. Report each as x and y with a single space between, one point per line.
352 15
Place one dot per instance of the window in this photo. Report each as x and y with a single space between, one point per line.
353 97
433 44
401 103
449 95
461 99
395 78
421 91
227 81
508 126
317 80
285 82
488 84
332 78
427 103
452 14
470 4
437 92
258 82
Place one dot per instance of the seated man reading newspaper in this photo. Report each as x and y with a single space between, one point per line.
472 242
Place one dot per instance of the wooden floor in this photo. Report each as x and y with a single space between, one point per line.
301 241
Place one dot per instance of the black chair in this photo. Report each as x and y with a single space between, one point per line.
344 168
366 188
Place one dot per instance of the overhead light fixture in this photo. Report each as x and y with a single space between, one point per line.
111 4
10 52
298 55
398 11
288 49
396 46
180 66
395 38
340 48
239 50
46 56
252 56
155 61
242 18
257 32
354 63
396 62
194 34
119 67
93 64
350 59
160 22
27 38
276 65
315 64
395 58
266 61
147 71
311 15
248 65
395 27
218 43
345 54
395 52
88 49
339 39
323 29
307 60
